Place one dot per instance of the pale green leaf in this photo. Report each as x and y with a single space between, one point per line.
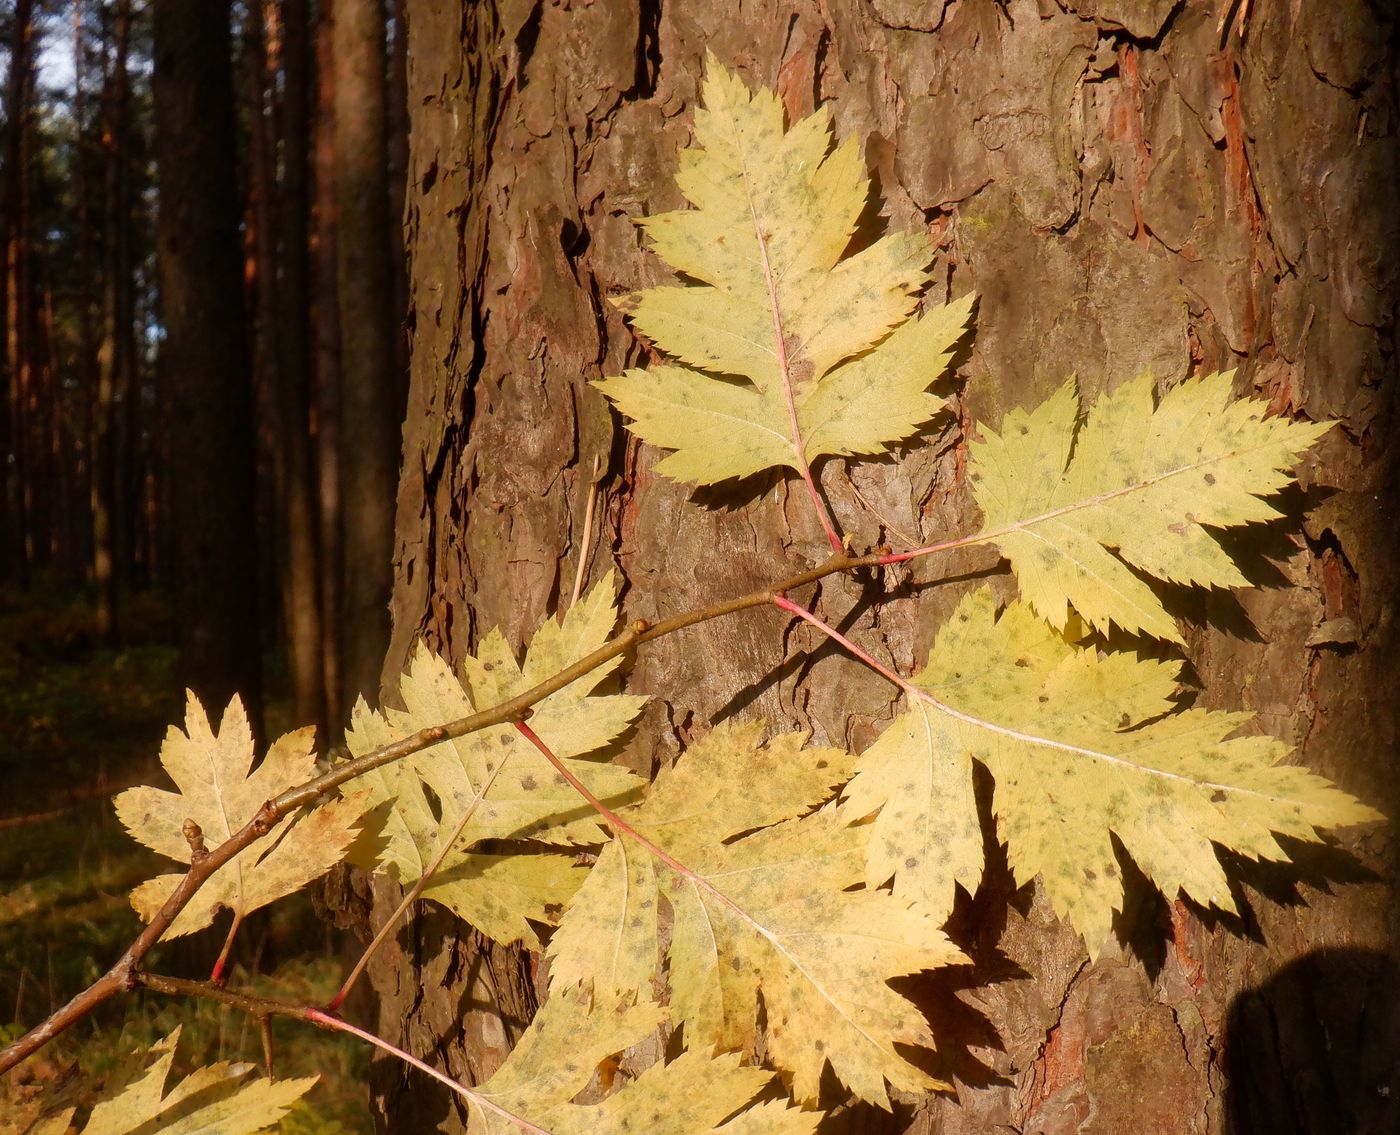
219 793
1076 508
494 777
788 349
216 1098
1083 748
573 1034
770 914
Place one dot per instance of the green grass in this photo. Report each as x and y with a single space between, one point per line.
79 720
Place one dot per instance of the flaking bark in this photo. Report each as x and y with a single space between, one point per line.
1124 193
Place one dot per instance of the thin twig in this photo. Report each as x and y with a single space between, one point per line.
264 1008
217 974
918 693
124 975
333 1006
581 573
621 827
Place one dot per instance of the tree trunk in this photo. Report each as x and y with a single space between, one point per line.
301 590
206 368
1126 188
115 355
14 232
369 433
325 393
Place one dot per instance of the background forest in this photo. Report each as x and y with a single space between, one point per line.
190 350
300 305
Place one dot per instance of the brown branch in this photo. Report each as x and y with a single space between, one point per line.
265 1008
126 974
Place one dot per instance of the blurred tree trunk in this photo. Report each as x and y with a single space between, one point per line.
1126 188
276 66
369 405
325 393
115 350
14 310
207 371
301 591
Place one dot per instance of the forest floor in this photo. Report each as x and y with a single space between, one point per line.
79 721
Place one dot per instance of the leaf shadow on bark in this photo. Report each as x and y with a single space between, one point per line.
1318 866
1144 926
737 494
964 1032
798 666
977 925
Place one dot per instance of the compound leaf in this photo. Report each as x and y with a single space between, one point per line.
218 792
218 1097
769 913
1147 483
808 333
494 778
572 1035
1084 748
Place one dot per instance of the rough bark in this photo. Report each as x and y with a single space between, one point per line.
1125 189
206 369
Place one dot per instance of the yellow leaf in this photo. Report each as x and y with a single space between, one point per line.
495 778
778 307
1084 748
1147 484
769 914
218 792
216 1098
571 1035
925 833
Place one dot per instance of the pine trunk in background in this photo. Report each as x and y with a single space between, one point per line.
206 368
301 591
369 403
325 391
14 235
1126 188
115 351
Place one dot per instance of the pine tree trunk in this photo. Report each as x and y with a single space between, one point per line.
301 590
369 399
1126 188
206 369
14 279
114 354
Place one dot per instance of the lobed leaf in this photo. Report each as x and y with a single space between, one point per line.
767 914
571 1036
807 333
216 1098
1082 748
1147 484
218 792
509 789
